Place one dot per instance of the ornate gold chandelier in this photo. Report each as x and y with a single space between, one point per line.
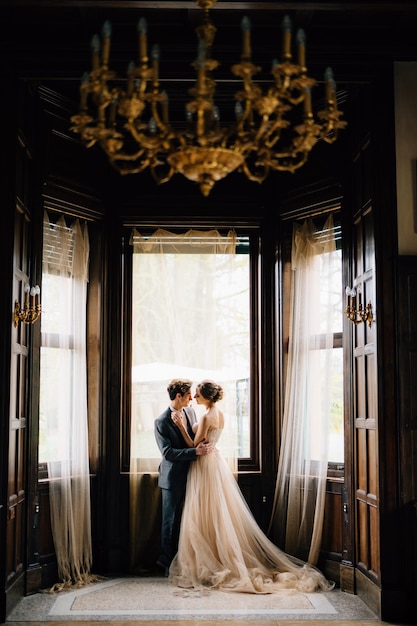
273 129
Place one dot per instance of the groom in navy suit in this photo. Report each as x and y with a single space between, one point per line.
173 469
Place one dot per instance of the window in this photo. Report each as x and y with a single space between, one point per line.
56 364
63 377
191 319
331 280
325 338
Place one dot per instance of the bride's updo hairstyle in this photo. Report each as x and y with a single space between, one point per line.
210 390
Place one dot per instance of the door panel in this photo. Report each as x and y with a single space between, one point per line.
16 496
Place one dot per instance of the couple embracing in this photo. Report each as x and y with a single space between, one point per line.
209 536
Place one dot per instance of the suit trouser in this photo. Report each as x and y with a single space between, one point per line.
172 503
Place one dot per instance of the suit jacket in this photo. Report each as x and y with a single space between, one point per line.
176 456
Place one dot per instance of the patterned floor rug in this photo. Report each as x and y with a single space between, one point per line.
155 599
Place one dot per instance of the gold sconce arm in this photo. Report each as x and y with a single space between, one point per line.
30 312
362 313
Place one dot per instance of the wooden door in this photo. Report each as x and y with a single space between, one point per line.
17 541
361 502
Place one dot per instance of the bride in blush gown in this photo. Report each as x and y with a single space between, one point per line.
221 546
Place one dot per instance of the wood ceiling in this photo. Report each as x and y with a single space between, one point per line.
49 40
57 33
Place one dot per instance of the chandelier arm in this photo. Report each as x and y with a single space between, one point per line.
103 109
148 144
161 120
331 124
255 178
124 164
89 143
85 134
269 133
331 137
159 179
295 100
245 116
130 170
124 156
287 162
132 167
264 130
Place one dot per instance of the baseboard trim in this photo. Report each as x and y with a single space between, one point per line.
369 592
347 578
33 579
14 593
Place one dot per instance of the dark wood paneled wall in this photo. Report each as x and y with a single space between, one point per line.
407 399
365 403
361 569
20 366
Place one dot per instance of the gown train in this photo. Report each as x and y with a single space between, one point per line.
221 545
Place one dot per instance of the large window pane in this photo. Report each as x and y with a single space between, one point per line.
331 291
336 434
55 366
190 318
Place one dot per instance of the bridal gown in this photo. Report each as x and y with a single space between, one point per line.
221 546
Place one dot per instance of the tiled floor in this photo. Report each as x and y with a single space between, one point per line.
127 601
239 622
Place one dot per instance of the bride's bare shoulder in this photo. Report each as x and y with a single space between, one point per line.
215 418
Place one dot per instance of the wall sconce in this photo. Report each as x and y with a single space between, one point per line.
31 310
361 314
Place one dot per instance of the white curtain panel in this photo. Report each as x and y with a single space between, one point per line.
63 405
298 509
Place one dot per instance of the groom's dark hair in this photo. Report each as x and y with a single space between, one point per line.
178 385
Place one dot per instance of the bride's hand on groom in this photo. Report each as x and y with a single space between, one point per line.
177 418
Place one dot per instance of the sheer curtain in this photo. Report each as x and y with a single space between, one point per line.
190 297
298 508
63 398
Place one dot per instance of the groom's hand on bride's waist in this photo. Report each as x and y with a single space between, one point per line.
203 448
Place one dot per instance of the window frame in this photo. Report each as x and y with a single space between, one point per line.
95 306
253 462
335 470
